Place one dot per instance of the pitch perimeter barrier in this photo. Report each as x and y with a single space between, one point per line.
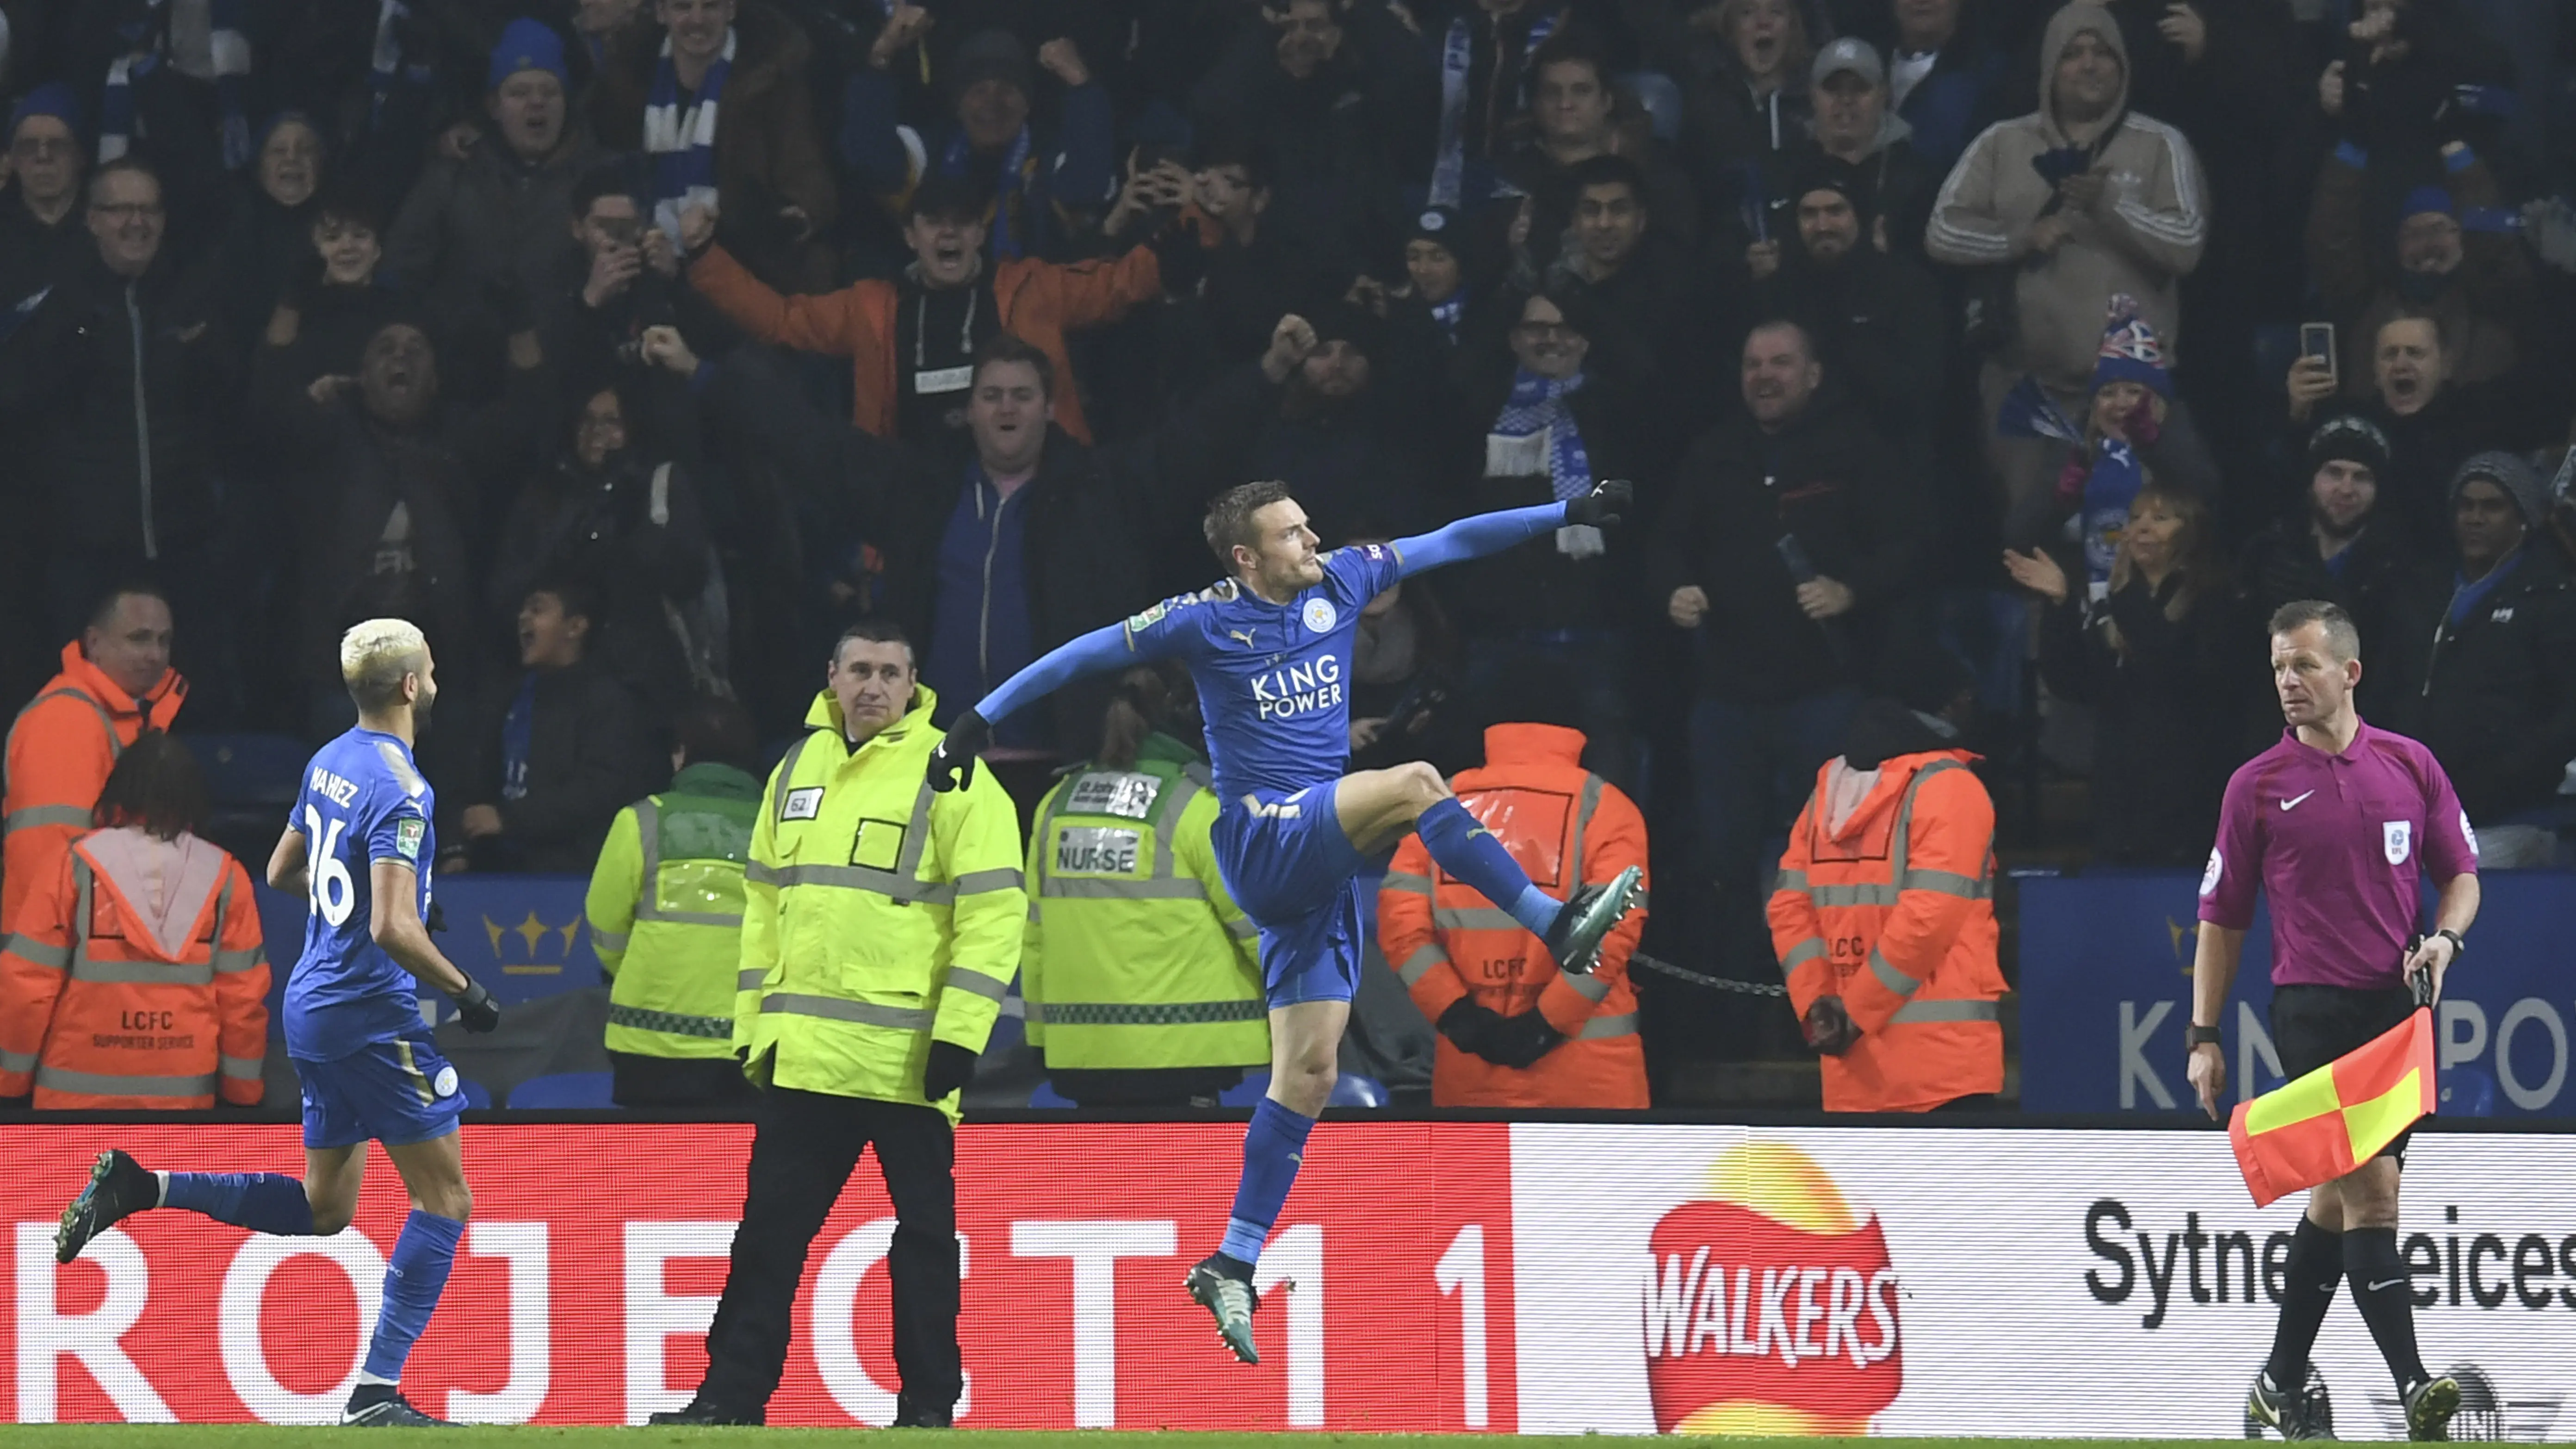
1539 1277
2106 992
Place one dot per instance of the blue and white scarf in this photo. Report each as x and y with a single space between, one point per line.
147 42
1447 315
1010 190
2109 488
1457 58
1537 426
683 143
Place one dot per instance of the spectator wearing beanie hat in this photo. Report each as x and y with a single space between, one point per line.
2451 255
41 229
479 235
2486 647
1875 315
2135 431
1037 180
2336 543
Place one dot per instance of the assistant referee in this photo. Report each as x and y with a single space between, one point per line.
2337 824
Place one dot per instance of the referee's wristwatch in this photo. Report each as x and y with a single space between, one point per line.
2201 1036
2459 946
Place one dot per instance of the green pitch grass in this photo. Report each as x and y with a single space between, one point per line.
495 1437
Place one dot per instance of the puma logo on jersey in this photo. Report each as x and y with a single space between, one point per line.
1248 641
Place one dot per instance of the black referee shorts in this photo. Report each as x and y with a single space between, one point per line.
2313 1025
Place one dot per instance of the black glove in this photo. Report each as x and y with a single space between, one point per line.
952 765
950 1067
1601 506
1829 1027
437 919
1519 1041
476 1011
1469 1026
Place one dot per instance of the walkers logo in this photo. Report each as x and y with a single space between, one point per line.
1770 1307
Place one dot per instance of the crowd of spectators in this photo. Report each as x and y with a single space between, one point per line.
634 348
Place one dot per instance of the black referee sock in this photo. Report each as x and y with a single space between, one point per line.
2384 1293
2308 1282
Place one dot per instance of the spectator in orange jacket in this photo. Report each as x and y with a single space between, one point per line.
1884 920
116 683
911 340
136 978
1515 1031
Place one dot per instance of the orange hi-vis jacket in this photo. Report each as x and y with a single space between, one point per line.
1038 302
1895 913
1568 828
136 979
60 750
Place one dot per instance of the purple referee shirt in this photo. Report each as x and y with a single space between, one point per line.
2340 844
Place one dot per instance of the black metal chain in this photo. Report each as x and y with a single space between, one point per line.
1714 983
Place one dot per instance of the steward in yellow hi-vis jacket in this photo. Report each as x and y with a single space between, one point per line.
1141 975
665 913
881 927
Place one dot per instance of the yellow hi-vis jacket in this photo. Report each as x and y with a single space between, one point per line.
878 915
665 913
1136 957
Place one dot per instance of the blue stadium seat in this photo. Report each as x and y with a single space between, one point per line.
1047 1096
249 769
476 1096
561 1091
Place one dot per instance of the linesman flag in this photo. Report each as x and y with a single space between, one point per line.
2337 1117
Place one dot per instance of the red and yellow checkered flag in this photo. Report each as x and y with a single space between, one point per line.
2337 1117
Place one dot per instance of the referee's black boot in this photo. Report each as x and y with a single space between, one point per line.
909 1415
700 1411
2293 1413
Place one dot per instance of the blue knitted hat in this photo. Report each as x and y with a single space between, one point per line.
2131 352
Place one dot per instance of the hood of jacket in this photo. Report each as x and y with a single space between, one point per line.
826 715
2079 18
159 704
1532 744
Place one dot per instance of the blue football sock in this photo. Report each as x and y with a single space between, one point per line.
1272 1150
264 1202
414 1278
1470 852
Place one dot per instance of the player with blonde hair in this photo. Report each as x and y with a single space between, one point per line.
357 848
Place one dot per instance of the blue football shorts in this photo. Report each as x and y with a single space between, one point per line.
396 1092
1288 864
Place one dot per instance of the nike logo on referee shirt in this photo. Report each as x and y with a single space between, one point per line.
2391 1283
2293 801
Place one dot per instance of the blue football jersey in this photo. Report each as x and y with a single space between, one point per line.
364 800
1273 679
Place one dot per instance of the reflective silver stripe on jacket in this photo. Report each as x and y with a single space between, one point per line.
977 983
672 1023
1624 1024
1949 1010
240 1069
648 837
902 883
1132 1013
75 816
1419 964
607 940
833 1008
1810 949
36 953
1473 918
35 815
17 1061
1889 977
749 978
95 1084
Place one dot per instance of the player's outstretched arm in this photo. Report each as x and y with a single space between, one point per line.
952 765
1485 533
396 925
